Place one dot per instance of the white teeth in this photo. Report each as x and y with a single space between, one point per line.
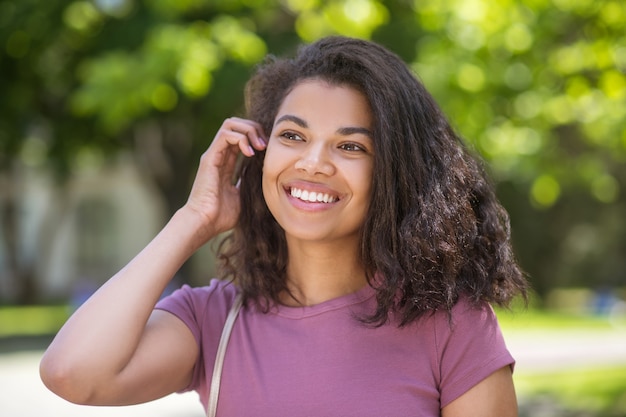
312 196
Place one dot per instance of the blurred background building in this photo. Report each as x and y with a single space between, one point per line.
71 240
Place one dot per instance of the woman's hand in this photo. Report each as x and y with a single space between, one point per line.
214 196
108 352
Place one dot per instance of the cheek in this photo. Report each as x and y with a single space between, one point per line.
363 182
265 181
269 180
273 163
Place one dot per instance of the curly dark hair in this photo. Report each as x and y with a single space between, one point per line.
434 230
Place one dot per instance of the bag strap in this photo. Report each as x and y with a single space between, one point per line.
219 358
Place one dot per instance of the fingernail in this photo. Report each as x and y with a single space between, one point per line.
251 150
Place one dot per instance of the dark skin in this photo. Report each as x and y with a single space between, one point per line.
139 354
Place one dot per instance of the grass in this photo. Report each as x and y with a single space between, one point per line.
537 319
601 391
32 320
594 391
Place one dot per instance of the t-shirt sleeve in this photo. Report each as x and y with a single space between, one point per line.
203 310
470 347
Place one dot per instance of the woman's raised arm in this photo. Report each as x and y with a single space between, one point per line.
115 349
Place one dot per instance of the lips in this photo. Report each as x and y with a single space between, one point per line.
312 196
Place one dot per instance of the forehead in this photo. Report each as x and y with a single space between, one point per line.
320 101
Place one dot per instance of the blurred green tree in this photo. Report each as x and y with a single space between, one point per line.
535 86
538 87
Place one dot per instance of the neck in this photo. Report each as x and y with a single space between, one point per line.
321 272
318 273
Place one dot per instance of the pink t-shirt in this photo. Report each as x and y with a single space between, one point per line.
321 361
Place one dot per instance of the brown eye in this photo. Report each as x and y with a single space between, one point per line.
291 136
352 147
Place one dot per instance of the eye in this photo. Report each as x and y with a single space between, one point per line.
291 136
352 147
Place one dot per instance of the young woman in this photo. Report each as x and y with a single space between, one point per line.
367 245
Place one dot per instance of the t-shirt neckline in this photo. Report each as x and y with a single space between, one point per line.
356 297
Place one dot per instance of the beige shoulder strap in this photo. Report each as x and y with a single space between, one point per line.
219 358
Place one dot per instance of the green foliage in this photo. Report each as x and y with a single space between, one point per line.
538 88
119 87
535 86
357 18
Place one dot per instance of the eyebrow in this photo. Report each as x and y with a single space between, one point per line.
344 131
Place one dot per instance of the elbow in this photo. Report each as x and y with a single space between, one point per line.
64 380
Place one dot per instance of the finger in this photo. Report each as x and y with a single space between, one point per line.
235 137
255 134
251 129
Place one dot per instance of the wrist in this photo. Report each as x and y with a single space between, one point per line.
193 227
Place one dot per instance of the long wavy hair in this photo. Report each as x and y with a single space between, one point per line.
434 229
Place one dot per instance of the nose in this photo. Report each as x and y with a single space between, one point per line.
315 160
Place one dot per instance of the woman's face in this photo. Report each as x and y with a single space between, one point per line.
317 174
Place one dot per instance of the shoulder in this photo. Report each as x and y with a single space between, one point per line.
470 346
466 323
217 291
465 317
195 304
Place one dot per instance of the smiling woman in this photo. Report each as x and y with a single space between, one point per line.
366 245
320 146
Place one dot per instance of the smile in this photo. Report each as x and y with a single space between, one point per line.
312 196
